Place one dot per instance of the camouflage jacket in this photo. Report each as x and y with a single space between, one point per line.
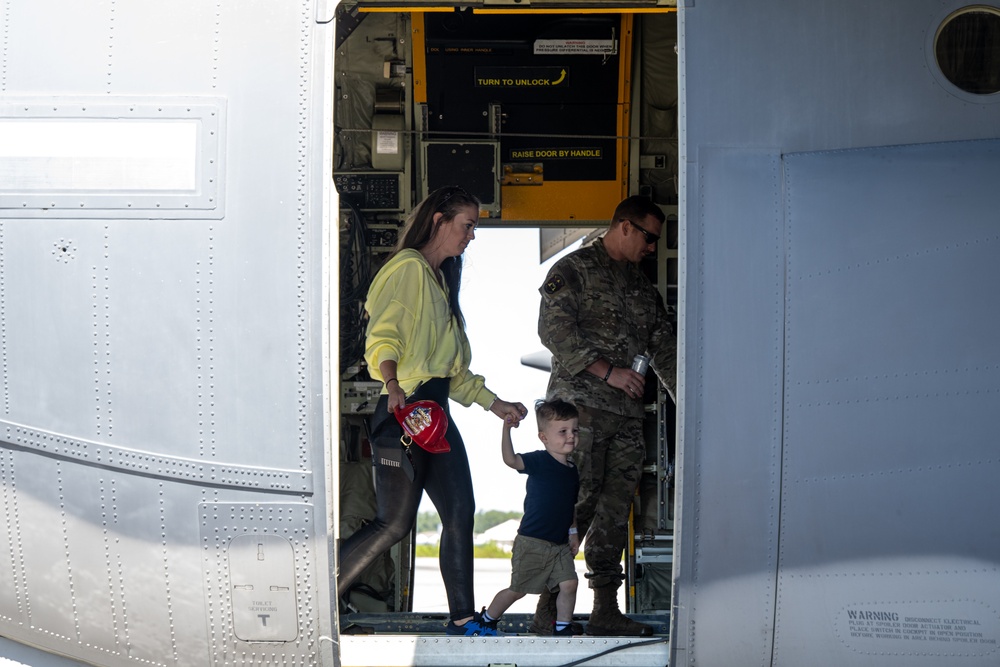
594 307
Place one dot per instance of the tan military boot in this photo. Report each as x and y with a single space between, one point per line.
545 614
608 621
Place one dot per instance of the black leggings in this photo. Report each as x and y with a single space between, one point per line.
448 483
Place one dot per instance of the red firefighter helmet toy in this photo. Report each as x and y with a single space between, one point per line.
424 423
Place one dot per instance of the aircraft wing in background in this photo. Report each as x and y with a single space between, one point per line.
542 360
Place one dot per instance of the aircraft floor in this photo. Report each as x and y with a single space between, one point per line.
418 640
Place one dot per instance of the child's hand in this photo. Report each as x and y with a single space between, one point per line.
510 413
574 544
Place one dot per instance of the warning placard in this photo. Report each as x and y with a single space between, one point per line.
575 46
955 627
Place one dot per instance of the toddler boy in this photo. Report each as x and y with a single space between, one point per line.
547 538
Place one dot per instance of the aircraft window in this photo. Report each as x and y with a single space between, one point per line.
121 158
967 49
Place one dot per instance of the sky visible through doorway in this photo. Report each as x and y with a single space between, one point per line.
500 298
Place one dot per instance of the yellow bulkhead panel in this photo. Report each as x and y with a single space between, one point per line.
555 200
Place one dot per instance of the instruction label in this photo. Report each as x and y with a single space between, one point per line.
521 77
387 143
555 153
952 627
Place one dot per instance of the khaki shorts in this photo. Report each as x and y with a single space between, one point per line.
538 564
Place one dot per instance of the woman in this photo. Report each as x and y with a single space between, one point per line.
417 347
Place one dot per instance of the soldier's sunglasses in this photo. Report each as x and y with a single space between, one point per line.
651 238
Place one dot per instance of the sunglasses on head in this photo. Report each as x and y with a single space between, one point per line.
455 191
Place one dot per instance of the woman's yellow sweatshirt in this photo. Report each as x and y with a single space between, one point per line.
411 322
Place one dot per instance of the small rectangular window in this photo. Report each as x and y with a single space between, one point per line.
122 159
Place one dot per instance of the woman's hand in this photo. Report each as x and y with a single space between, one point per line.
510 413
397 397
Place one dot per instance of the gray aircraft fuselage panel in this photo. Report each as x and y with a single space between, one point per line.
838 384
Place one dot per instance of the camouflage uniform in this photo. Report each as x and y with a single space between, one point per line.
594 307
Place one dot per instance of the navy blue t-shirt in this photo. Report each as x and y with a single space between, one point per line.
551 495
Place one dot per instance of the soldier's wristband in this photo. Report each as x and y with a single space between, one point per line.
611 367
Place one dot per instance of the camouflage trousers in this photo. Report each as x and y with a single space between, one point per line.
609 455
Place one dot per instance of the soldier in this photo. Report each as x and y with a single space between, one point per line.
598 310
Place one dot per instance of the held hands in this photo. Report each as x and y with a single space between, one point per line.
510 413
574 544
628 381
